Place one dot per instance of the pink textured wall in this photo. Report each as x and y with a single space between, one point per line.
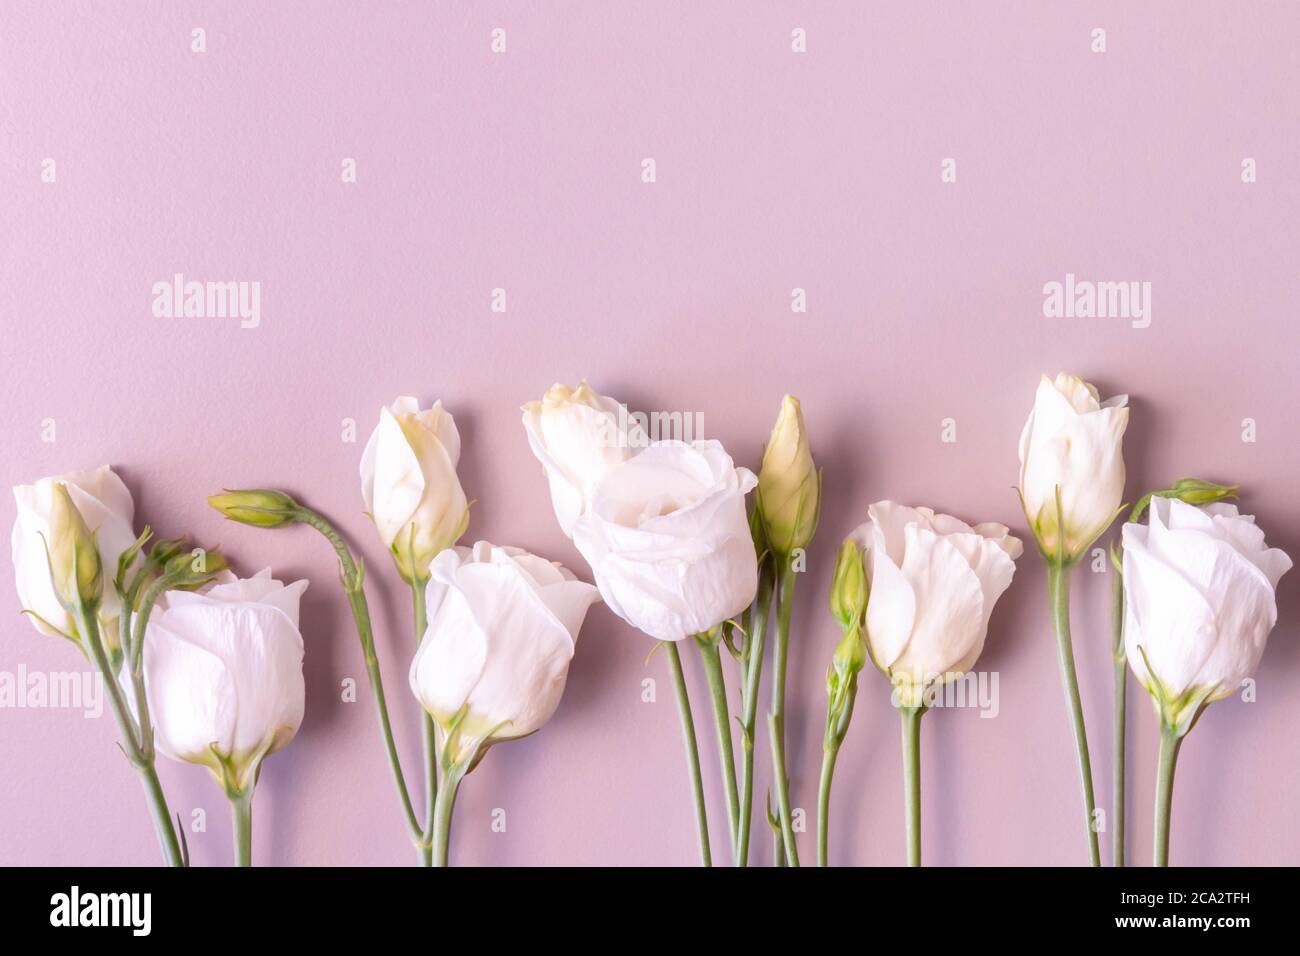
775 170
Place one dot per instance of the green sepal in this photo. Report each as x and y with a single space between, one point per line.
126 559
1177 714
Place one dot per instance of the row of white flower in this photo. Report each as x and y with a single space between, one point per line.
207 667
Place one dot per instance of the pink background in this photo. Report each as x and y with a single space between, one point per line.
775 170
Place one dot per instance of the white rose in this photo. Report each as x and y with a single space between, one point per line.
1200 601
668 539
502 628
1073 442
223 674
578 435
409 483
933 583
108 512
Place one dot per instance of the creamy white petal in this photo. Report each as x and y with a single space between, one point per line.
409 483
451 657
934 580
193 701
1200 585
1073 443
223 671
891 608
578 435
950 614
668 539
105 506
398 474
1170 623
497 649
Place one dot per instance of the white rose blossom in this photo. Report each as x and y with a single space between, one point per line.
579 435
502 630
108 512
668 539
223 674
933 583
1200 587
1072 442
410 486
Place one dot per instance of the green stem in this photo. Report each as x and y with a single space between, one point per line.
140 759
786 577
353 586
427 738
692 752
124 619
829 755
712 657
162 821
126 726
135 663
753 671
790 852
1058 591
242 808
446 800
837 725
1169 744
912 780
1121 703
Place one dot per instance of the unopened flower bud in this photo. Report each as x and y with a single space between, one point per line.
842 685
260 507
849 589
849 659
789 487
192 569
1194 491
75 566
166 549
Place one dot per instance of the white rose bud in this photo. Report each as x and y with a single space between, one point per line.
1200 589
789 485
1074 443
75 566
409 483
223 675
502 628
578 435
668 539
933 582
107 511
